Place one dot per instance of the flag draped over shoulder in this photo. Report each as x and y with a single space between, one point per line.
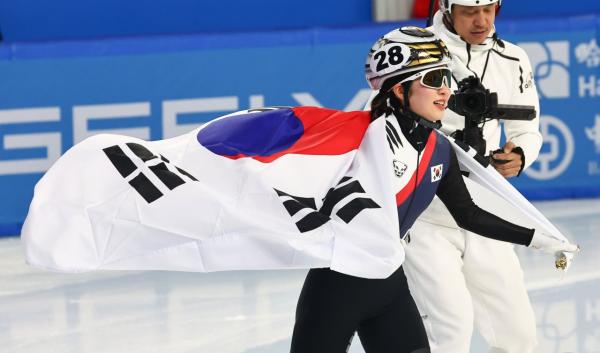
492 192
264 189
300 187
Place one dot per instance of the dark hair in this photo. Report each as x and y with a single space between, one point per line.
380 106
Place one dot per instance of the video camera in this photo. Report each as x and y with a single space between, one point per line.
477 104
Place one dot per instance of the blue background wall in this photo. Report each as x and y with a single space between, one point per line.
53 94
34 20
27 20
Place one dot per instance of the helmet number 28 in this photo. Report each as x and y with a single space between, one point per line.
393 56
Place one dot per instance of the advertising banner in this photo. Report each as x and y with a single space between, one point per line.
53 95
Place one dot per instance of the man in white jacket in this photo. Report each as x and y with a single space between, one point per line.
458 279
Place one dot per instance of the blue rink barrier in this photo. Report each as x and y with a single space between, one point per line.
33 20
55 94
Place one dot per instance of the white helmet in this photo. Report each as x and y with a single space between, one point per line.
446 5
402 51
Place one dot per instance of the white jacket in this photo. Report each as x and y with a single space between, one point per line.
508 73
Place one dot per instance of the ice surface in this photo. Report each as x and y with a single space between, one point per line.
253 311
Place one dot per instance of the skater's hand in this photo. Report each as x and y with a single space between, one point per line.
551 244
562 250
562 260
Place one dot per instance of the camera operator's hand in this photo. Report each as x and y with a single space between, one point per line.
506 161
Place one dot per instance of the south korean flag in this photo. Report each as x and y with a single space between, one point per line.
436 173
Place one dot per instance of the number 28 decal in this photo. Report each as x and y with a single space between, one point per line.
390 56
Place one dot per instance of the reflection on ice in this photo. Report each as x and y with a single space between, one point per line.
252 312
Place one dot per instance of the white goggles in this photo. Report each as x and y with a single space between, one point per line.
434 78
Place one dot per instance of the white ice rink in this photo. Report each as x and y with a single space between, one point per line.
253 312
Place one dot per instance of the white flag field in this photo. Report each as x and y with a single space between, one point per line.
258 189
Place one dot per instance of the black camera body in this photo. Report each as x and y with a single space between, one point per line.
477 104
473 100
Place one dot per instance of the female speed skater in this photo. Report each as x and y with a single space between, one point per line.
409 67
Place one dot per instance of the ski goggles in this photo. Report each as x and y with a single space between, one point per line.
434 78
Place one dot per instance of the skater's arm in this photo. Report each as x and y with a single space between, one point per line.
454 194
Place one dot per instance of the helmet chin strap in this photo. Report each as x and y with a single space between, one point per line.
422 121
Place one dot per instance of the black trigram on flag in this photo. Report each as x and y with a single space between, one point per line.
141 183
316 218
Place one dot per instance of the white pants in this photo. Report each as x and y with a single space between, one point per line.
459 279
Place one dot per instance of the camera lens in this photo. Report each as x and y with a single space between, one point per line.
474 103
